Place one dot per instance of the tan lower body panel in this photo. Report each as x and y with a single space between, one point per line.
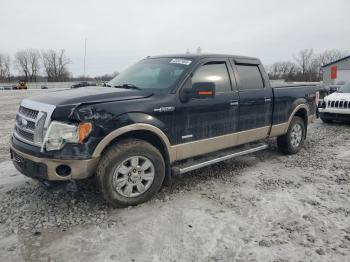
209 145
204 146
278 130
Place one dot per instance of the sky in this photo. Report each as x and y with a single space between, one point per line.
119 33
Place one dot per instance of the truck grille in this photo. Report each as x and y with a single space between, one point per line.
29 125
28 112
338 104
24 134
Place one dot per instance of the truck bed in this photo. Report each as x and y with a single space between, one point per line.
294 84
287 97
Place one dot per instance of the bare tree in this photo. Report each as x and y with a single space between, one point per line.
28 63
5 65
308 66
48 60
329 56
55 64
63 62
283 70
323 58
305 59
34 64
22 63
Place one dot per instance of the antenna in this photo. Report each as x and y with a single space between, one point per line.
85 58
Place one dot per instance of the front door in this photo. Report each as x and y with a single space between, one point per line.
211 117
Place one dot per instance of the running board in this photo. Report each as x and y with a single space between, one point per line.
216 157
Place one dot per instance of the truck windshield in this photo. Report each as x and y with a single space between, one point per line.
152 73
344 89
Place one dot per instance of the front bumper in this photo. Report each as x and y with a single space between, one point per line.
48 168
335 116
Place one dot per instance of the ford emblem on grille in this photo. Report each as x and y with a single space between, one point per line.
23 122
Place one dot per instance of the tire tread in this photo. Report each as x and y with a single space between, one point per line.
112 152
283 142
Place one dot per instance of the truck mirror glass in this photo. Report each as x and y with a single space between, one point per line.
199 90
203 90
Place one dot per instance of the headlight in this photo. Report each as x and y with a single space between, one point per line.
58 134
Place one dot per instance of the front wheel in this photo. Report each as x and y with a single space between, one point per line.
130 172
292 142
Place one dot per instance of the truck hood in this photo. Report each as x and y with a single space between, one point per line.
90 95
338 96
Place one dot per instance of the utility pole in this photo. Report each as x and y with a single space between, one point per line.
85 59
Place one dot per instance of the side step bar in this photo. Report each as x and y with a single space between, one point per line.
187 166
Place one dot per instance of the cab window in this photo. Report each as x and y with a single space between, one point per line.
214 72
250 77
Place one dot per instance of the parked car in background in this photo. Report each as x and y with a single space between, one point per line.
5 87
164 115
80 84
335 87
44 87
22 84
323 91
336 106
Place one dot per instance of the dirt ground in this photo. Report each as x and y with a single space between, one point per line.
261 207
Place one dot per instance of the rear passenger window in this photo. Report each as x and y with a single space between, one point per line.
250 77
213 72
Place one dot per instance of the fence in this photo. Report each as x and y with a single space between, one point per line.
38 85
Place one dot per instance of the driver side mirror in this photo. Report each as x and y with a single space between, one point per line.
199 90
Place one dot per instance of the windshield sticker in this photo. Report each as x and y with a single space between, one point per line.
181 61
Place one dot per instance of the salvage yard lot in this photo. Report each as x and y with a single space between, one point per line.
260 207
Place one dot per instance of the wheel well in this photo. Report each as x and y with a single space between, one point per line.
145 135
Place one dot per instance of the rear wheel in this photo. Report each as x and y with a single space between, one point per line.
292 142
130 172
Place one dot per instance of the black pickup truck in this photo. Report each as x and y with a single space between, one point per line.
163 115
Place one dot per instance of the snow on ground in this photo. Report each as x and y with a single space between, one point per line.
260 207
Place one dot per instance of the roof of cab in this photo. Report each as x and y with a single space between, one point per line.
200 56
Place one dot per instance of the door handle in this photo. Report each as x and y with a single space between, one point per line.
267 99
234 103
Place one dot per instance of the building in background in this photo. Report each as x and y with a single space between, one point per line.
337 71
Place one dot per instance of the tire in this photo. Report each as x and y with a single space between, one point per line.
293 141
120 175
327 121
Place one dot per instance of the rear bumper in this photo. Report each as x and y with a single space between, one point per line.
48 169
335 116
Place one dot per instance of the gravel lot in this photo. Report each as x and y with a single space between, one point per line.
261 207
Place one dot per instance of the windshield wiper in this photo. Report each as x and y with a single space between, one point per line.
127 86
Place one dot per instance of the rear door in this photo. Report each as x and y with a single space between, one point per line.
255 97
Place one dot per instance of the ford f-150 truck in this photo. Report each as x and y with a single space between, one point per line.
164 115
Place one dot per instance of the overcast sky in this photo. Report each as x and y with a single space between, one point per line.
122 32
